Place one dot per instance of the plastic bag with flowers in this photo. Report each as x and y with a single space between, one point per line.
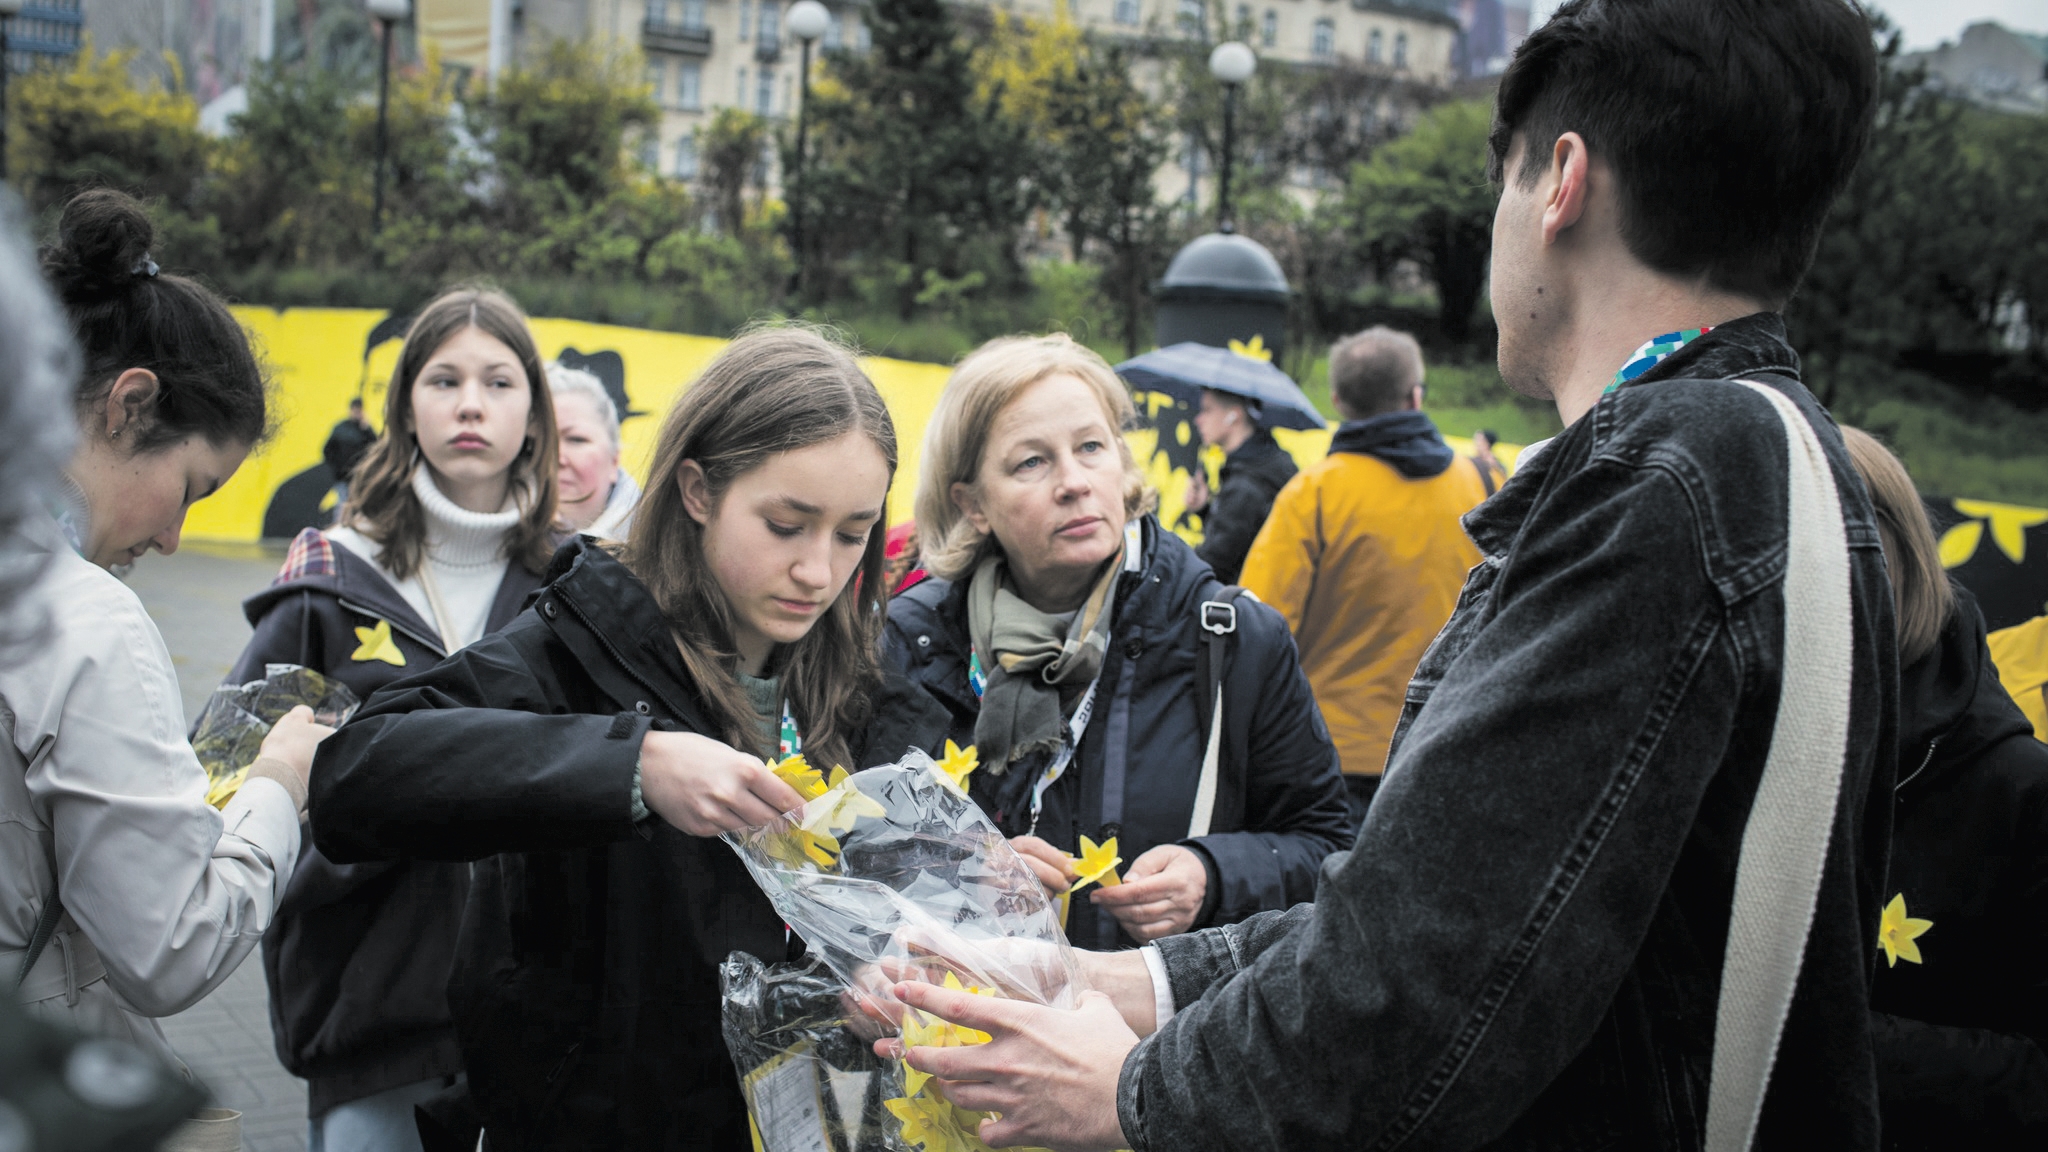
237 717
894 874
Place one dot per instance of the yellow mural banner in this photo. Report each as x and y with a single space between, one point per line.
321 358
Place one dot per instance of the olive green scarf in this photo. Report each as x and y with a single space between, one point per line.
1029 657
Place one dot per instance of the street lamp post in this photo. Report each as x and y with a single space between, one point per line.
1232 62
388 14
808 20
9 9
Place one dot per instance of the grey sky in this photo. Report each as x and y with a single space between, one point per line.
1925 23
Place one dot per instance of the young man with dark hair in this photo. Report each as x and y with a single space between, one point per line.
1526 947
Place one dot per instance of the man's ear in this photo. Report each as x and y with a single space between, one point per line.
1566 185
696 490
968 501
129 401
1415 398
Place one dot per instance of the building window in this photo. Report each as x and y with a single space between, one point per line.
657 77
657 12
1373 51
1125 12
686 157
689 86
1190 18
1325 45
1269 29
693 15
746 20
835 34
739 90
1400 49
1244 22
764 93
862 38
771 22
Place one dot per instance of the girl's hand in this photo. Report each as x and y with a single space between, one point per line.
1161 893
1054 868
706 787
292 740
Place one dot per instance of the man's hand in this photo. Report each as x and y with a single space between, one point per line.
705 787
1160 895
1055 868
1051 1073
1198 489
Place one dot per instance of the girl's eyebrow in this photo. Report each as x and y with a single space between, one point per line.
792 504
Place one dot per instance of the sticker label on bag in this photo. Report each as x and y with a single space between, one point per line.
785 1109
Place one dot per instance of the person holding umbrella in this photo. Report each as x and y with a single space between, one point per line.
1240 398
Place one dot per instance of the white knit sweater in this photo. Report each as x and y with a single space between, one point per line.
465 550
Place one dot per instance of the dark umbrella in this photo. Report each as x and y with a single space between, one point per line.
1182 371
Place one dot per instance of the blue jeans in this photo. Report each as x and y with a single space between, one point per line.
380 1123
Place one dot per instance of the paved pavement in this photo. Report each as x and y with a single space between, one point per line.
195 597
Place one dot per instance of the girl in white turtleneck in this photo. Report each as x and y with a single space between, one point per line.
448 526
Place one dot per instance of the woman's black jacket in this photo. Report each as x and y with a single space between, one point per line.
1252 476
357 959
585 990
1280 805
1962 1037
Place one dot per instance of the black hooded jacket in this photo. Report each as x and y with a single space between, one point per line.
357 959
585 990
1962 1037
1251 477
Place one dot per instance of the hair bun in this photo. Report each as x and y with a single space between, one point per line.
102 248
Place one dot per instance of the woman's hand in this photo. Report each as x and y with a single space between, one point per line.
706 787
1055 868
291 742
1160 895
1198 490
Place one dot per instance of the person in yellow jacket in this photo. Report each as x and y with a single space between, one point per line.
1364 553
2021 654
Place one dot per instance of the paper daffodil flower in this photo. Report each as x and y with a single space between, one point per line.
927 1123
797 772
1097 864
1896 933
376 644
957 765
839 807
224 789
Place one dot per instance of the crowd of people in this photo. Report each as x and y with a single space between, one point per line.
1580 808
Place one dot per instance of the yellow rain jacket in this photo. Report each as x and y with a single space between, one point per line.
1365 559
2021 653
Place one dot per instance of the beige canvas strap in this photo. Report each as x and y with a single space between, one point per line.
1785 842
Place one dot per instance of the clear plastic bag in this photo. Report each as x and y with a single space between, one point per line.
894 874
808 1070
237 717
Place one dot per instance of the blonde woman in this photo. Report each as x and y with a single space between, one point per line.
1063 631
597 497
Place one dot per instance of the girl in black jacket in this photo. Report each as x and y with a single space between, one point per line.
446 530
585 755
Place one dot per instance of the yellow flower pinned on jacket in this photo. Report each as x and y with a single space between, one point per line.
1255 349
1896 933
1097 863
376 644
957 765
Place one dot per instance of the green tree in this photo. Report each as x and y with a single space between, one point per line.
286 185
1425 197
88 124
729 151
914 168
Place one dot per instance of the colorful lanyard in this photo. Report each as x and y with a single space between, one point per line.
792 741
1654 352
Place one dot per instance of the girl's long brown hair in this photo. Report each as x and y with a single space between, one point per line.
772 390
381 503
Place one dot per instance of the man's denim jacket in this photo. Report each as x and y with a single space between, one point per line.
1524 948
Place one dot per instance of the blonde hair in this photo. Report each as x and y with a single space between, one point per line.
566 381
980 388
1921 595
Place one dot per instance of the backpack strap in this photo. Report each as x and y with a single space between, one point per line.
1785 840
1485 473
1217 616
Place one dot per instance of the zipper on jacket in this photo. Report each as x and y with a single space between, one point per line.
1924 762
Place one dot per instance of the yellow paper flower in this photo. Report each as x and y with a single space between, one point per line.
927 1123
957 765
797 772
376 644
840 807
1254 350
1097 863
1896 933
224 789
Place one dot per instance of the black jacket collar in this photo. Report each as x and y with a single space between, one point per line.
1407 440
1951 705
